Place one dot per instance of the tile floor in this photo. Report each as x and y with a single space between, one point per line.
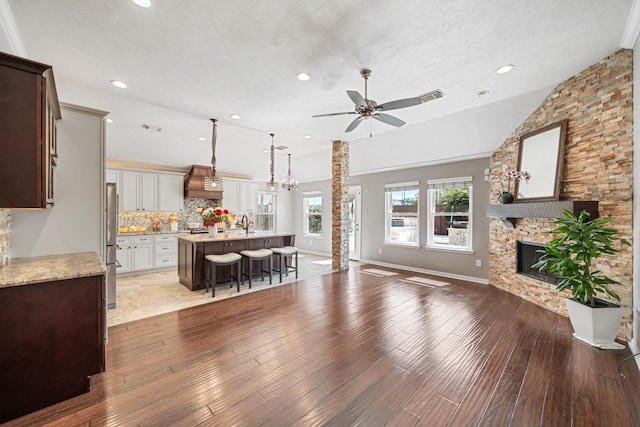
146 295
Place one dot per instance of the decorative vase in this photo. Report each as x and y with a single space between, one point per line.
506 199
213 230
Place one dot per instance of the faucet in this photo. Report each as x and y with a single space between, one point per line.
245 223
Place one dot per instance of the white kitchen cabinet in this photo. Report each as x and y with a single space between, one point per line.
142 252
170 192
124 254
166 250
240 196
139 191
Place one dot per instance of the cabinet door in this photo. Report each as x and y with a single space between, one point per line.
142 256
230 196
171 193
251 196
129 193
123 257
149 192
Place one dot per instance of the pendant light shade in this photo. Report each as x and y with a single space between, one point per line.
272 185
289 183
213 182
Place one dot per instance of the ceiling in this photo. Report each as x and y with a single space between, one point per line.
185 64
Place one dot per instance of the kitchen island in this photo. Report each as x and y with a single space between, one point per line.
192 248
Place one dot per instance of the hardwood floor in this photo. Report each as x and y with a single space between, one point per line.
355 348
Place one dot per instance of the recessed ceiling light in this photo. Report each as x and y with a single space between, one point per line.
118 83
109 120
200 138
235 117
303 77
483 93
307 137
505 68
143 3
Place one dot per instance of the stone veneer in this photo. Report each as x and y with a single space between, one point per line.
597 166
340 206
5 231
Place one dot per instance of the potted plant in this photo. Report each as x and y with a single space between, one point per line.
571 256
506 194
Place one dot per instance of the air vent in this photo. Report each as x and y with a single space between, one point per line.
430 96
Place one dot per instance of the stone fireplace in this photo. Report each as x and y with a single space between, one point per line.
527 254
597 103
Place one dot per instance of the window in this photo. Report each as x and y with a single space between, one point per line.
312 222
449 220
265 215
401 219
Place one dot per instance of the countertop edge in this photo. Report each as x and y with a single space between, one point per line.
50 268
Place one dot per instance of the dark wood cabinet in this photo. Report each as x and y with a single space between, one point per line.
28 112
52 340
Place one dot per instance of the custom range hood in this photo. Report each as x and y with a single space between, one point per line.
202 182
194 184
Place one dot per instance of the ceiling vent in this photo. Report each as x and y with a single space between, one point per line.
430 96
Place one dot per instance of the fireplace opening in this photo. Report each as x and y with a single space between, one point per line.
526 255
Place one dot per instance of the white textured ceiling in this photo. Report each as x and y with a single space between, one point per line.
187 61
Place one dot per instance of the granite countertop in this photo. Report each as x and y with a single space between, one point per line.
147 233
25 271
230 236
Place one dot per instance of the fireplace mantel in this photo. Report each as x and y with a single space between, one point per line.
509 212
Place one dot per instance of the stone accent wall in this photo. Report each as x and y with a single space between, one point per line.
340 206
597 166
5 232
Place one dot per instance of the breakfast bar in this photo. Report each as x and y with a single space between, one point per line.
192 248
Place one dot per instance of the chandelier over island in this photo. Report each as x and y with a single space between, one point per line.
272 185
213 182
289 183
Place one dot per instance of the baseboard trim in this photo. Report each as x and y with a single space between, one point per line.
425 271
304 251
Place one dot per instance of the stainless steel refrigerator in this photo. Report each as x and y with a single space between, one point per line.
112 229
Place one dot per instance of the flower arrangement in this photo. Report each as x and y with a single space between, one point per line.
507 176
210 216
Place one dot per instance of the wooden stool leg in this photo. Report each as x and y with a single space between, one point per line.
238 272
250 271
296 265
213 280
270 269
281 260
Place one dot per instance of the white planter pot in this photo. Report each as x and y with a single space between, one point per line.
596 326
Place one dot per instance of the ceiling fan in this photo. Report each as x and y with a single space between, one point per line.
367 108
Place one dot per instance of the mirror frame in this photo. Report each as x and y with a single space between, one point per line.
553 194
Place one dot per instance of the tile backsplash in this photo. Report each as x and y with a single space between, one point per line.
144 219
5 230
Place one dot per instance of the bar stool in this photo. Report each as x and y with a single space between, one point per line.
258 255
213 261
284 253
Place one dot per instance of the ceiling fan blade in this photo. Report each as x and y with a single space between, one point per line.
357 98
400 103
390 120
334 114
354 124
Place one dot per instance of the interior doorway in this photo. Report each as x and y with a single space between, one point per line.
354 222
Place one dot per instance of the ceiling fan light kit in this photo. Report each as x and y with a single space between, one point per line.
368 108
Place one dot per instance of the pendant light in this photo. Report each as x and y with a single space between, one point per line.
289 183
272 185
213 182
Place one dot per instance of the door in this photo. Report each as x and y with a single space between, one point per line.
354 222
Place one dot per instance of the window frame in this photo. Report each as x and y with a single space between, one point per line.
273 212
389 189
432 186
305 212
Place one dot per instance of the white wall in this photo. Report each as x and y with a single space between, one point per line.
76 222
